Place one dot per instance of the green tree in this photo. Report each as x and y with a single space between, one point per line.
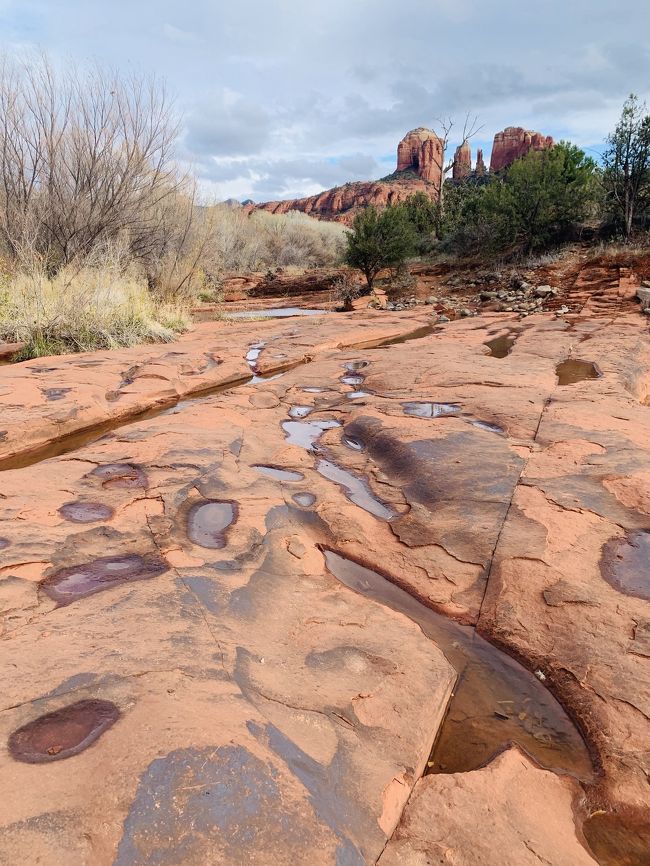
423 214
626 176
379 240
538 199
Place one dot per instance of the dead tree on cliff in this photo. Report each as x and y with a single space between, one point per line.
443 128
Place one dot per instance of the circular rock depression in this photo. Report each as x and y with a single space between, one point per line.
63 733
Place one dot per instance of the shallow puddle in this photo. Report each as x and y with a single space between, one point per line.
78 581
500 347
63 733
485 425
279 474
85 512
314 390
615 840
355 366
572 370
55 393
276 313
430 410
625 564
300 411
352 380
306 433
356 489
304 499
121 475
253 354
355 395
207 523
496 701
353 443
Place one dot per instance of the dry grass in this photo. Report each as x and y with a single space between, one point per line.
81 309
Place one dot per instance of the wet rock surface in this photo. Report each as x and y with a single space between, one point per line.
270 712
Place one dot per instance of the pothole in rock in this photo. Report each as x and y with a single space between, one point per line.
305 433
300 411
121 475
314 390
353 443
305 499
500 347
279 474
85 512
355 366
616 840
495 702
355 395
207 523
488 427
78 581
253 354
573 370
355 489
62 733
54 394
352 380
430 410
625 564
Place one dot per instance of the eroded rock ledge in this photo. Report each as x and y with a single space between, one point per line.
266 711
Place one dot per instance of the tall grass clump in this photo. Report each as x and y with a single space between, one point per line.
100 305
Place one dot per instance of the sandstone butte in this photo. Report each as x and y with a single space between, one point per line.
234 611
419 169
515 142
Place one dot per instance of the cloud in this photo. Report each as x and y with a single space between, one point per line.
287 97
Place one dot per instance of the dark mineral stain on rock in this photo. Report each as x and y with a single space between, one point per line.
85 512
63 733
125 475
207 523
625 564
78 581
4 543
573 370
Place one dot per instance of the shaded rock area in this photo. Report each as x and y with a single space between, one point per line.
195 684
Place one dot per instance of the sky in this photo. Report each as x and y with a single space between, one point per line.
284 98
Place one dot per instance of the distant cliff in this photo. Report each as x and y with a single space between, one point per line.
419 168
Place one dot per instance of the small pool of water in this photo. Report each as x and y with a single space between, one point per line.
63 733
430 410
306 433
275 313
500 347
355 489
304 499
496 701
279 474
207 523
79 581
616 840
573 370
85 512
300 411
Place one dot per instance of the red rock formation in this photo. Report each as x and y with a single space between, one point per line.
420 151
480 164
515 142
462 161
